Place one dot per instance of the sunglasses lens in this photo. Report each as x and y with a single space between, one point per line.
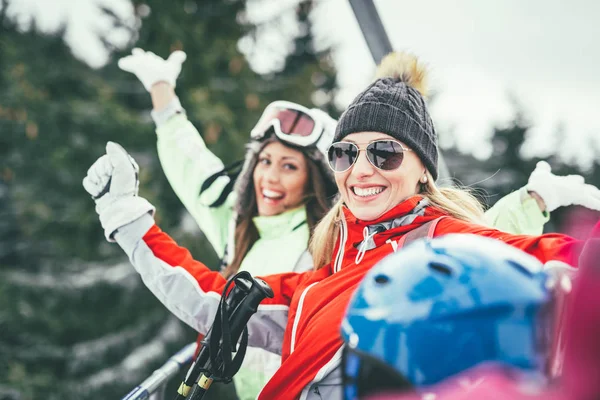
341 156
385 154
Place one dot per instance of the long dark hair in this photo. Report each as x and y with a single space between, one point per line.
316 202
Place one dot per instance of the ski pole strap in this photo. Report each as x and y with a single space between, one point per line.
234 311
201 363
224 367
232 171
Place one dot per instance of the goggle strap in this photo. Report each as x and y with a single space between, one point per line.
224 194
232 171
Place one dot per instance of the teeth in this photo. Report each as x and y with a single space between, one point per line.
272 194
364 192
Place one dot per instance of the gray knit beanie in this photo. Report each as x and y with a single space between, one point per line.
394 104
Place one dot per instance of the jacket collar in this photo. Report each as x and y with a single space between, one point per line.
400 210
404 217
280 224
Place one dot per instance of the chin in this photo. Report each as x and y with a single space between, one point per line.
268 211
366 213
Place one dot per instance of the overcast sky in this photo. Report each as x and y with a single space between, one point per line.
482 56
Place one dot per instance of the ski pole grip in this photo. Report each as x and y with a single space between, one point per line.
256 290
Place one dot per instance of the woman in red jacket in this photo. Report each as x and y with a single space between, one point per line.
385 162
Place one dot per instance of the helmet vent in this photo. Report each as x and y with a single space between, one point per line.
520 267
382 279
441 268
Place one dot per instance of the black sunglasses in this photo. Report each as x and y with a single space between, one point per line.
386 155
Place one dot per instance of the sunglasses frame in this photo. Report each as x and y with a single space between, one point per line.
364 149
303 141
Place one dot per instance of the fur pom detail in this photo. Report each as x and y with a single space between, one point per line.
406 68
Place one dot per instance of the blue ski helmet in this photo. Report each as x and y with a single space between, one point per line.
441 306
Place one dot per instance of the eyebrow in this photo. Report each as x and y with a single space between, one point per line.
266 154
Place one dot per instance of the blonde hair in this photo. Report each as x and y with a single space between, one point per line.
457 202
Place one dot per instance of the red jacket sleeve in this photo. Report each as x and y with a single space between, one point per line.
166 249
552 246
192 291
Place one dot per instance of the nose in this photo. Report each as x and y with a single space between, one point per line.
271 174
362 167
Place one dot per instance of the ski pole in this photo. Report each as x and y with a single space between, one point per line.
222 367
233 299
235 309
162 374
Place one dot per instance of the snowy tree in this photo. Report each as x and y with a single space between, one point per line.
75 319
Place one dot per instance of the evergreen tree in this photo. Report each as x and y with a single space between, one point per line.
507 170
75 319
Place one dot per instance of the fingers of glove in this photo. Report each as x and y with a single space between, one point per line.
101 169
98 176
542 166
118 156
124 177
92 187
139 60
590 197
574 180
177 57
128 63
136 167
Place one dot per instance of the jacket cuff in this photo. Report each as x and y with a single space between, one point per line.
173 108
128 236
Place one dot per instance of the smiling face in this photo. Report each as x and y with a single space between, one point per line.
280 179
370 192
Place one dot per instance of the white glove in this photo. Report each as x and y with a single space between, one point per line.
562 191
150 68
329 125
113 183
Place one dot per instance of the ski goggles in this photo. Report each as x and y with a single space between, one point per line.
291 122
386 155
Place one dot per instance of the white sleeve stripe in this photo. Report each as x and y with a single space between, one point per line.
177 289
297 317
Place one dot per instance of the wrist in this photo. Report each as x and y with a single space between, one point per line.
540 202
162 92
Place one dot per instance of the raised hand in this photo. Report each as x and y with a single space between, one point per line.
113 183
561 191
150 68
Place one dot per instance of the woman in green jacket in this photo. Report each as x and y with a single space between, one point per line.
263 225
